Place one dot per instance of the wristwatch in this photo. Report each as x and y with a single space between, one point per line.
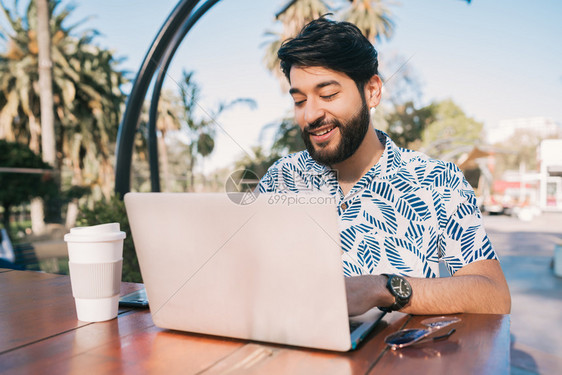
401 289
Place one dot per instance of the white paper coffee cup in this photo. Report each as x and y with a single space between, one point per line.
95 258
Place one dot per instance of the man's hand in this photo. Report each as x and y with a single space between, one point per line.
365 292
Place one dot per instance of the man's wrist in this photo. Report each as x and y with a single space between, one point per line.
400 290
383 296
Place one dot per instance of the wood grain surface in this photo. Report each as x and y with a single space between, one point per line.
40 334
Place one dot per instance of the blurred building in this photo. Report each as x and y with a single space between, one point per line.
542 127
550 159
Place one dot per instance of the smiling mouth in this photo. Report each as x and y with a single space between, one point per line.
321 132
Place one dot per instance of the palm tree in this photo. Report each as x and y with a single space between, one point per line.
372 17
200 130
18 70
90 116
45 83
86 87
23 63
86 94
293 16
48 146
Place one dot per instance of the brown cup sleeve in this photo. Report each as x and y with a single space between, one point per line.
95 280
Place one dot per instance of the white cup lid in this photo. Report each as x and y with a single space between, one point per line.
95 233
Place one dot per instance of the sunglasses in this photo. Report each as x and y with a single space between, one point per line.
407 337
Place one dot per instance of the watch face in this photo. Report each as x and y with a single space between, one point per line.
401 287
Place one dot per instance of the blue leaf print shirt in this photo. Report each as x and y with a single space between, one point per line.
407 212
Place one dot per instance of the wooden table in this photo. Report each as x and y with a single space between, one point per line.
39 334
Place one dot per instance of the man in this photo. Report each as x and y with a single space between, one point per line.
400 211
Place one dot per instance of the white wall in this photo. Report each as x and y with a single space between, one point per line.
550 155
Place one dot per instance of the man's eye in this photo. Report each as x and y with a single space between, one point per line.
329 97
298 103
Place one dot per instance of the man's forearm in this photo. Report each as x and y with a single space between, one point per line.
479 287
460 293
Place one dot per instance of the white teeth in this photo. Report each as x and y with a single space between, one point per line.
324 132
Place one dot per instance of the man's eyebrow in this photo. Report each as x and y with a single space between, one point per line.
327 83
295 90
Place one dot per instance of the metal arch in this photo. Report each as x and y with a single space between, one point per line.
157 89
179 16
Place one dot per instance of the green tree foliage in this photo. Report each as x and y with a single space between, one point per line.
113 211
407 123
258 163
17 188
287 139
450 132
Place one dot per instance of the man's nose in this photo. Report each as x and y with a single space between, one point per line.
313 111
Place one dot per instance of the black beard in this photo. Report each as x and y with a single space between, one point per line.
352 133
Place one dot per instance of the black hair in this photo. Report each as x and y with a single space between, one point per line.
339 46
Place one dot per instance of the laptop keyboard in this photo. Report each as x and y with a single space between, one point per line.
353 326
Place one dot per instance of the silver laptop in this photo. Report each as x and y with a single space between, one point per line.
267 270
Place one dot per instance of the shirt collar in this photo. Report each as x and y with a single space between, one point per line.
391 159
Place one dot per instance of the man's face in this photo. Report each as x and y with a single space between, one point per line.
331 112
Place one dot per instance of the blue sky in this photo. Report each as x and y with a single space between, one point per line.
497 59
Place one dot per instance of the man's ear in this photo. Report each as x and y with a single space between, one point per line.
373 90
